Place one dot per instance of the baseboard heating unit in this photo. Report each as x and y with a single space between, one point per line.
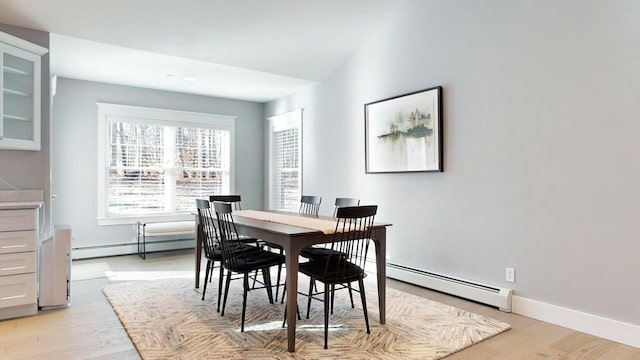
486 294
94 251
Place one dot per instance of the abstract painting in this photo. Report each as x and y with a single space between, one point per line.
404 133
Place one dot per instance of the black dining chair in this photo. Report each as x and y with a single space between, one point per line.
241 261
235 201
310 205
346 260
212 251
344 202
211 245
320 251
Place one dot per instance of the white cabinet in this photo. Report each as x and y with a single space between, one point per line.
20 101
18 255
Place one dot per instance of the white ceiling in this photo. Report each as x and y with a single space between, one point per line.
256 50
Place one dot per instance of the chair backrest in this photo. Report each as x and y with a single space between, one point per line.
232 199
206 228
350 241
342 202
310 205
228 234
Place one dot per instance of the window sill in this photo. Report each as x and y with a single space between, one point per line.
128 220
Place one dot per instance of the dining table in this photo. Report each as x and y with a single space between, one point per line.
290 230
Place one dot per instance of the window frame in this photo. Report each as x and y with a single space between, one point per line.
156 116
284 121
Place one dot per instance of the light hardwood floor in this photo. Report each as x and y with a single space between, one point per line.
89 329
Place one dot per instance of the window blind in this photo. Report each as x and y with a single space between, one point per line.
286 161
136 169
202 165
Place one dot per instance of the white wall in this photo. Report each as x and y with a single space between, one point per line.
74 150
541 149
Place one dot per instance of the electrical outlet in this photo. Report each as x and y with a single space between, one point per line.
511 275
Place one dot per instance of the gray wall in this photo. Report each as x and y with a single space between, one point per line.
542 158
74 150
30 169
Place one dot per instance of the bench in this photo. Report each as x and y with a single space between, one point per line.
157 229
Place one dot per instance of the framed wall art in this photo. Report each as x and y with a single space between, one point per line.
404 133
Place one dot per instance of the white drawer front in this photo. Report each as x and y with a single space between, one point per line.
18 263
17 241
17 290
12 220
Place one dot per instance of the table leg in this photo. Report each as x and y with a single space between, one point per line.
198 252
380 240
291 253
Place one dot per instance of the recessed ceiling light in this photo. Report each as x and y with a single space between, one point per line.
168 75
189 78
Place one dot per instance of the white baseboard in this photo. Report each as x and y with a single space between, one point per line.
131 248
614 330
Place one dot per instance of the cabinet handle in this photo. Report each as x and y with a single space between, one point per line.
13 297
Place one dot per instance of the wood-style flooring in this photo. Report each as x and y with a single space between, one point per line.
89 329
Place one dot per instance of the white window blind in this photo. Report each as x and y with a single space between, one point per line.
136 168
202 165
156 166
285 161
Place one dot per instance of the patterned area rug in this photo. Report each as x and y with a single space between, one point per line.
166 319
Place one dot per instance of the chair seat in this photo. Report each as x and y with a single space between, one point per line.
346 272
259 259
239 247
318 253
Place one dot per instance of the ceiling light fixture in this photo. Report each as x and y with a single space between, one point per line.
189 78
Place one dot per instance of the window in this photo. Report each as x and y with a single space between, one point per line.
154 163
285 178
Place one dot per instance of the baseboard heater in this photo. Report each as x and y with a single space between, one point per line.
486 294
96 251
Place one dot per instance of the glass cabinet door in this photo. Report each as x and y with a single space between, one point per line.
17 98
20 104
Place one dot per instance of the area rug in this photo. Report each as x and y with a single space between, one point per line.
166 319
